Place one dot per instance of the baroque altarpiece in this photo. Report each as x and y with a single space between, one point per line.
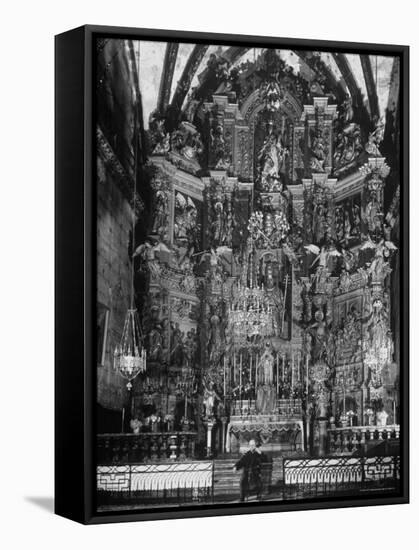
264 189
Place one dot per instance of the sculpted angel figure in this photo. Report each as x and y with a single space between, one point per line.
323 255
379 267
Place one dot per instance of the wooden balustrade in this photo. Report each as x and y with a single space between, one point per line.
145 447
351 439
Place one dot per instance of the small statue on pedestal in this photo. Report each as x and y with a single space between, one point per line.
135 425
210 396
382 418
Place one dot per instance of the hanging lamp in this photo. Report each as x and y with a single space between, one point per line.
130 356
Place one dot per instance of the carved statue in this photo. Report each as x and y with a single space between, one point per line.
272 160
161 211
227 233
218 147
319 333
155 343
356 220
318 152
186 141
319 216
382 418
190 348
348 143
176 345
372 211
135 425
374 140
345 281
210 399
306 300
217 224
192 106
159 138
265 366
379 267
323 255
186 229
339 223
214 343
347 110
266 394
347 227
269 279
348 337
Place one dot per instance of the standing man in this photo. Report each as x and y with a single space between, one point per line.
250 464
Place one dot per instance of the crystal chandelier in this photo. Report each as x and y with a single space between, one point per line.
130 356
250 316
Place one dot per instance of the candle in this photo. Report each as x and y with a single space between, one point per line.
292 370
240 379
394 412
277 374
283 367
256 371
344 399
307 375
298 366
224 378
250 368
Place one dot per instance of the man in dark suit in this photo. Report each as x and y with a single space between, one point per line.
250 464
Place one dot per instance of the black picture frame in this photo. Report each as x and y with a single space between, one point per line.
75 302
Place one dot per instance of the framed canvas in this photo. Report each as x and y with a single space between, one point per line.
231 274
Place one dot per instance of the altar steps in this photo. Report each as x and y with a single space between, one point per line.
226 480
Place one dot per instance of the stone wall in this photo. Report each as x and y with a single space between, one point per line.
114 218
